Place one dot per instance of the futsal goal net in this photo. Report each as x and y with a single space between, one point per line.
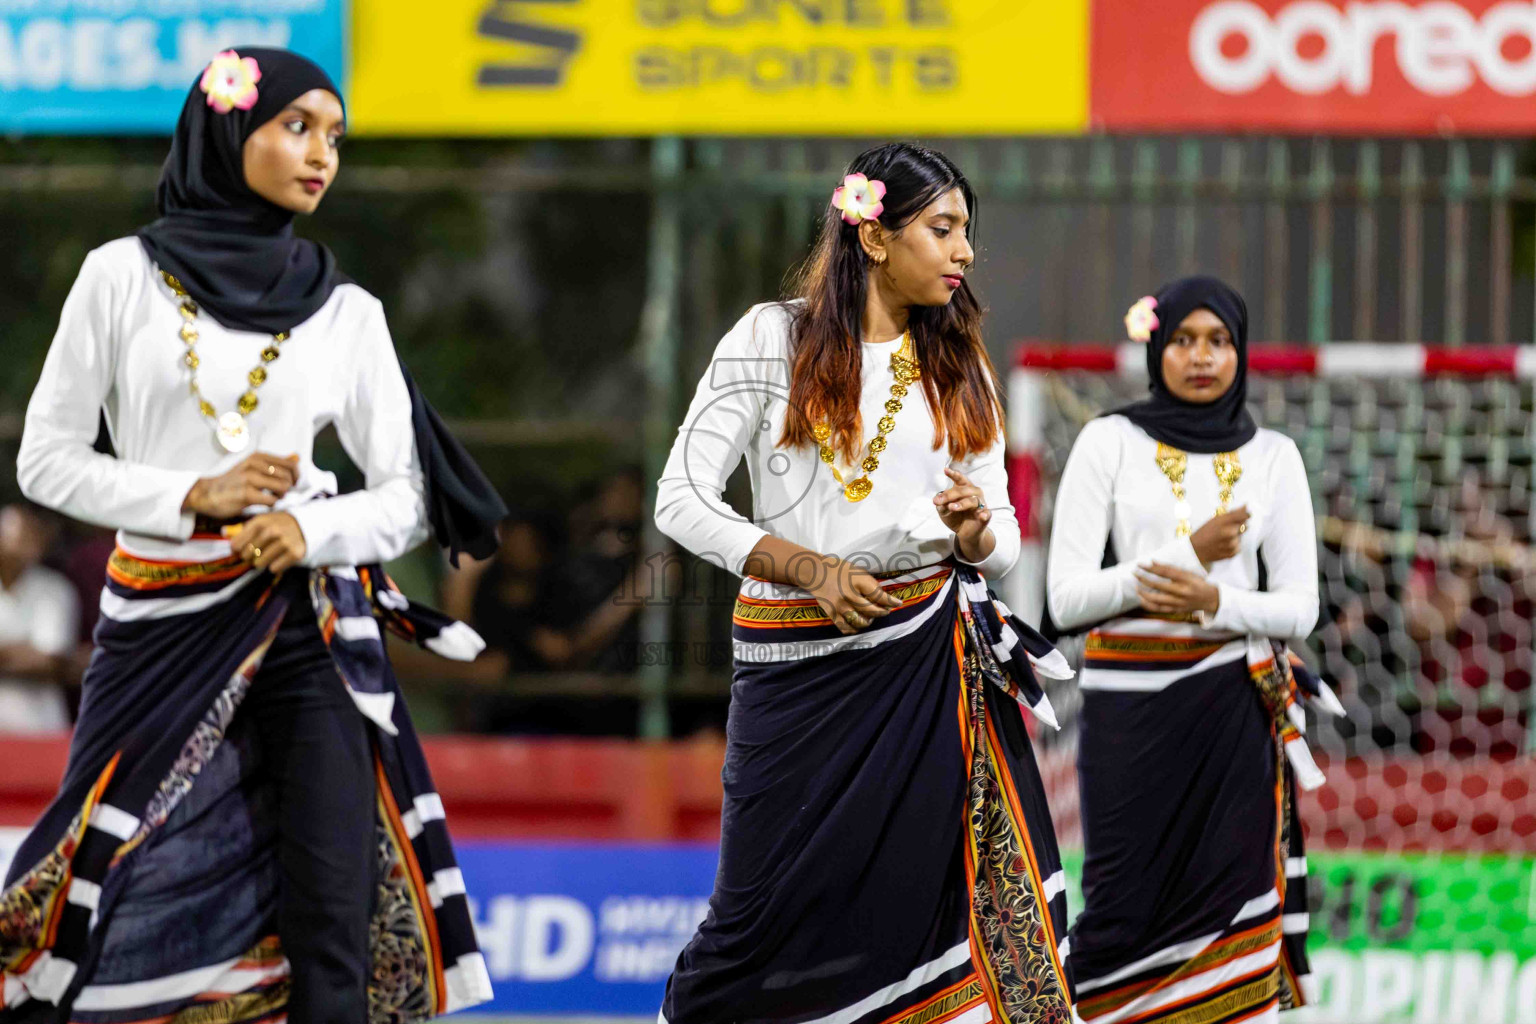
1420 461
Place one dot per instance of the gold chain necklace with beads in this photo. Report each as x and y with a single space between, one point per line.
905 369
1173 463
230 429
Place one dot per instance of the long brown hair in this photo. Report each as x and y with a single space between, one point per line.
825 355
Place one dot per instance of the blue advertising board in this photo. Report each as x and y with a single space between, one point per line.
123 67
579 928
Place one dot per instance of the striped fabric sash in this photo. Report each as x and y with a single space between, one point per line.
1018 888
1010 652
1282 681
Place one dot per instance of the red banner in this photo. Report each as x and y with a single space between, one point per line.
1370 66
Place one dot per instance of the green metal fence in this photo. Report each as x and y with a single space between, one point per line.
1329 239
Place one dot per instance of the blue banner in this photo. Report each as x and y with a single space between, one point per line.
587 929
123 67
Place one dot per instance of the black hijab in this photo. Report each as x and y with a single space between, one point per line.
1220 426
235 252
237 255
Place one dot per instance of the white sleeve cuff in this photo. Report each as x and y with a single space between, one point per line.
1226 617
749 538
319 527
172 521
1180 553
994 565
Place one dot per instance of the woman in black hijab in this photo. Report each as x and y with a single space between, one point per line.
1190 750
230 241
1185 410
247 829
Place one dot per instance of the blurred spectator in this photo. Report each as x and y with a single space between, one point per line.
602 578
566 612
84 563
507 600
39 624
541 610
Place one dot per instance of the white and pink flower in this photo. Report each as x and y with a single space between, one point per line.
859 198
1141 319
230 82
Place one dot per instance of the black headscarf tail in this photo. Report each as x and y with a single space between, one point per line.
236 254
1220 426
463 506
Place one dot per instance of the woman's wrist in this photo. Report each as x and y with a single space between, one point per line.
194 499
977 548
780 561
828 578
1212 602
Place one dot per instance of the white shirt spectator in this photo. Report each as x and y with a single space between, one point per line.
39 610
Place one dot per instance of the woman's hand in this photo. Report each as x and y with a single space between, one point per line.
261 479
1166 590
273 541
851 596
1221 537
962 510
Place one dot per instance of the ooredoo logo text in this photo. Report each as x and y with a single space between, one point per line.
1312 48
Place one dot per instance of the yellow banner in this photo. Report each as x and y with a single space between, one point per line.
643 67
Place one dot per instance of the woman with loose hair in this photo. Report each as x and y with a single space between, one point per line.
247 830
886 852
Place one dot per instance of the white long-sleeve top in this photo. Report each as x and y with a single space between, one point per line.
118 350
1112 489
739 410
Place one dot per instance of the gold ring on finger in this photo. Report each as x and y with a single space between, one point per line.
255 552
271 471
1242 527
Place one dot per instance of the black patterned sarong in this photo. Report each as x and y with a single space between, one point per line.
147 891
886 855
1194 879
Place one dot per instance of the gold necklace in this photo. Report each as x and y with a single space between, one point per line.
905 368
230 429
1173 463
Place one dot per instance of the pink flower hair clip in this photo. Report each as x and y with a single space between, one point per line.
1141 320
859 199
230 82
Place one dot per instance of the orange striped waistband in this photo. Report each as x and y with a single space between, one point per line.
142 574
784 613
1109 647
